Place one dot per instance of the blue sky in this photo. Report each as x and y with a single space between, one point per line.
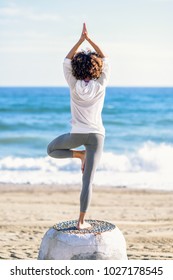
137 35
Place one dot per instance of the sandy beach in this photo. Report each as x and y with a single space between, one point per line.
28 211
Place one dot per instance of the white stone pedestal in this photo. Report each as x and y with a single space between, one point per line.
104 241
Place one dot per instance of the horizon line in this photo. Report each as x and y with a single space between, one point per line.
109 86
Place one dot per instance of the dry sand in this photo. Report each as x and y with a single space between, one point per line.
144 217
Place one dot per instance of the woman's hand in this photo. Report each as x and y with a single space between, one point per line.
85 31
84 34
74 49
83 37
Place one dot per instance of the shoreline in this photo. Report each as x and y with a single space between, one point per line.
144 216
53 186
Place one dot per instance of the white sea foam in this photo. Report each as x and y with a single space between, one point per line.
148 167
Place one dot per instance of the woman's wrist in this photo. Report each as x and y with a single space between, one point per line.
81 40
88 39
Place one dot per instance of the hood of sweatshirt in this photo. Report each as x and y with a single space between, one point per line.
86 90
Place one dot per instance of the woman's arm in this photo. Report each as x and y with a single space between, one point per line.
84 36
74 49
96 47
77 45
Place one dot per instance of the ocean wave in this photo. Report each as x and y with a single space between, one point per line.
150 166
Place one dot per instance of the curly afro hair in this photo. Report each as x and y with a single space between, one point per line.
86 65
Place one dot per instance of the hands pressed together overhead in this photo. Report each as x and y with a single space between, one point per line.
84 36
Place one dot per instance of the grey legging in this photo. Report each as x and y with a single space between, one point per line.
61 147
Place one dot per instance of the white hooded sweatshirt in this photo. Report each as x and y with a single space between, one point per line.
87 99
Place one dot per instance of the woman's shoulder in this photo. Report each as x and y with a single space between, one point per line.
67 61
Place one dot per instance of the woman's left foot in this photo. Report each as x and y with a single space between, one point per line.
81 155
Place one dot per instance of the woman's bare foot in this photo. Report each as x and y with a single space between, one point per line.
82 156
83 225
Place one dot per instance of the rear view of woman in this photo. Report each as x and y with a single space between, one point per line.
86 74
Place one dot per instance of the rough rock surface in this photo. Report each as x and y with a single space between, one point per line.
103 241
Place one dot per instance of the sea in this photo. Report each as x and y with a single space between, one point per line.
138 150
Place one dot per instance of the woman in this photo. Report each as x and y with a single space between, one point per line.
86 74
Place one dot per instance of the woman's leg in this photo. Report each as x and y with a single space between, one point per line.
61 147
94 150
